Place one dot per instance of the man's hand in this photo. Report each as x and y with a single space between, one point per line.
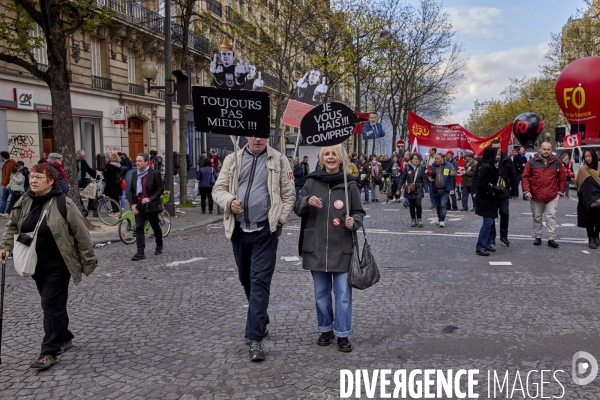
4 255
514 197
315 202
236 206
561 194
134 209
430 179
302 82
213 64
452 173
349 222
146 200
527 196
258 82
320 90
241 67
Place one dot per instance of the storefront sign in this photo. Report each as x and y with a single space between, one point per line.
112 149
24 99
119 115
231 112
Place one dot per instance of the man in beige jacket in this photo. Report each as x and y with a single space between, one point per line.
256 204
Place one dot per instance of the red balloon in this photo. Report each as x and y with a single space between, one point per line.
577 92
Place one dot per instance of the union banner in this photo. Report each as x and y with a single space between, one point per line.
452 136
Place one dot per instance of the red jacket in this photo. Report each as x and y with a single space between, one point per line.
544 182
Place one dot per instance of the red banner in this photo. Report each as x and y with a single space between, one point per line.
453 136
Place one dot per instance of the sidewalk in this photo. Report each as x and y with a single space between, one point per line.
185 218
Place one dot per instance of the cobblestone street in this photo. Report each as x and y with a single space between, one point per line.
172 326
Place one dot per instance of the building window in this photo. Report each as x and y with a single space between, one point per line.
99 57
131 66
160 77
40 54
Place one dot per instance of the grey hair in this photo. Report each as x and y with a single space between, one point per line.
145 155
80 152
54 156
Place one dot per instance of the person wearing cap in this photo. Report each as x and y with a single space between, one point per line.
467 177
452 198
55 160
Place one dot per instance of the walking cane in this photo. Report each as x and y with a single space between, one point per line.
3 278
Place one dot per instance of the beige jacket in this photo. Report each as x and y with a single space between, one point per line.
281 189
72 236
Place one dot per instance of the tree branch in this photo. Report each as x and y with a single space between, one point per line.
30 8
25 65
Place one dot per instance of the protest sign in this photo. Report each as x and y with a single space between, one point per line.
231 112
328 124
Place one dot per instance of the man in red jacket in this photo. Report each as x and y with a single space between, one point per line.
543 182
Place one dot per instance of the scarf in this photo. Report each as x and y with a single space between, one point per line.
585 172
322 175
60 168
374 169
140 175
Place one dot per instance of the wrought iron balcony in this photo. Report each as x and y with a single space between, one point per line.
148 19
101 83
215 7
138 90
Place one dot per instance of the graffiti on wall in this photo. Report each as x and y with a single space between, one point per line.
21 146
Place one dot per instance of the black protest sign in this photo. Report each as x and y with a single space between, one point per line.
328 124
231 112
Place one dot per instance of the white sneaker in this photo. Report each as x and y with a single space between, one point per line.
442 225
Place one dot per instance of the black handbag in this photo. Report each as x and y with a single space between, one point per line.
363 270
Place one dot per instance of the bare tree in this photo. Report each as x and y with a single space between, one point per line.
424 62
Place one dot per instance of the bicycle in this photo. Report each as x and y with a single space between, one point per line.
104 207
127 223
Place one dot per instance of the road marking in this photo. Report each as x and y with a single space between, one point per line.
191 260
464 235
500 263
566 225
389 209
569 215
526 213
454 219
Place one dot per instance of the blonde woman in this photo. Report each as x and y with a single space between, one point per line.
326 243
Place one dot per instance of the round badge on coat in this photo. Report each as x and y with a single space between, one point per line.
336 222
409 172
338 204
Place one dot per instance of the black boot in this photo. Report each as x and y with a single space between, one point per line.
325 338
592 243
344 345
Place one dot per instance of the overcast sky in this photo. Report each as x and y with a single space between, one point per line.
502 39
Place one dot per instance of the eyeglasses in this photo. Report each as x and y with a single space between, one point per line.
37 177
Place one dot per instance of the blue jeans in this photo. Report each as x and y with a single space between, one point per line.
342 322
484 233
366 187
255 255
4 199
466 193
431 196
298 189
123 198
441 203
503 210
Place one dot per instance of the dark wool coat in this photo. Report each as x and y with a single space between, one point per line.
324 246
408 177
154 189
486 202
